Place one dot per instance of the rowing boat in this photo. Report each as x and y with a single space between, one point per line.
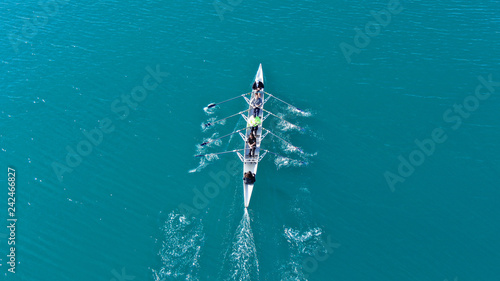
250 163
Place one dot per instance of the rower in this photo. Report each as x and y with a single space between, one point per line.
252 144
257 85
256 103
249 178
254 122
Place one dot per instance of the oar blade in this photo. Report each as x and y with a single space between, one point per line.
296 108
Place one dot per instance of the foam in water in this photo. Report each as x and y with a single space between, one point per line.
204 128
204 161
297 112
212 143
305 242
303 239
281 162
302 245
209 111
289 148
285 126
244 264
181 248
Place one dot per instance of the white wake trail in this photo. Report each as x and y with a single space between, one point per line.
244 264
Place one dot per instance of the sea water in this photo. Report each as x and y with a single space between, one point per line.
102 112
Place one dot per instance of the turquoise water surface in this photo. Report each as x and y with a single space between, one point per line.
102 110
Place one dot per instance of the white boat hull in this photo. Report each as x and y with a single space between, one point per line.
250 164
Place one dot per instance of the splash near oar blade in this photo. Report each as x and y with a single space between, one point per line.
220 120
272 114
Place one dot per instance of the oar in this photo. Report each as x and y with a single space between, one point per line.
211 123
207 142
282 139
303 162
201 155
286 102
214 104
302 129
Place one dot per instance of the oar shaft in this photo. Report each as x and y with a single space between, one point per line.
207 142
224 152
274 153
282 139
214 104
302 129
211 123
284 102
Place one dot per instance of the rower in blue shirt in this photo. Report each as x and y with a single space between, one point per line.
256 103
